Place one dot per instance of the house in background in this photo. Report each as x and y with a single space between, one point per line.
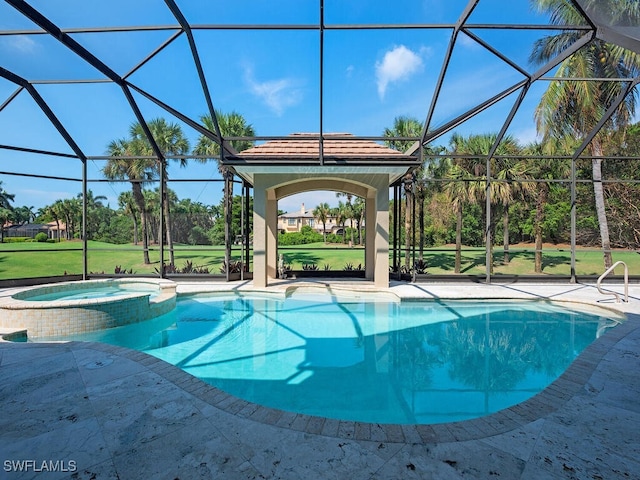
30 230
294 221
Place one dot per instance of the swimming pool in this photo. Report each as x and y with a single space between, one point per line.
381 361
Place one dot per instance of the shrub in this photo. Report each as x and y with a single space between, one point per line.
306 235
41 237
16 239
350 267
189 267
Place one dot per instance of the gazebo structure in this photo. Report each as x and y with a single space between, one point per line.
307 162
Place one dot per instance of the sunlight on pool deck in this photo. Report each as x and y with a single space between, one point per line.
110 412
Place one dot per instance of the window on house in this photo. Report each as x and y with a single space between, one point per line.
291 221
312 222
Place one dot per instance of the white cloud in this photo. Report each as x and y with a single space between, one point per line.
350 70
468 42
278 95
20 44
398 64
527 135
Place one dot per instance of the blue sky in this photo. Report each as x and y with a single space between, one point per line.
270 77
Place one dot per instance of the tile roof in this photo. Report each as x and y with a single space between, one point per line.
306 145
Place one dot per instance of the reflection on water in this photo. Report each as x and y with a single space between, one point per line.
413 362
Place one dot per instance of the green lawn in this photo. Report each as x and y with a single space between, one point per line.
25 260
336 256
554 262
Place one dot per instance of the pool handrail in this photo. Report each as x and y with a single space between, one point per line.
626 282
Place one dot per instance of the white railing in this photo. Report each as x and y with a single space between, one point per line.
626 282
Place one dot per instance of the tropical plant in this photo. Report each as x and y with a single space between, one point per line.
230 124
505 182
127 204
358 210
348 212
5 197
401 138
322 213
544 168
50 213
95 210
137 171
24 214
574 107
432 167
341 215
5 217
171 141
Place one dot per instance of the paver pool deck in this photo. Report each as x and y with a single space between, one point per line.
94 411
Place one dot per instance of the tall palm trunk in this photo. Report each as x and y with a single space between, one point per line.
167 215
138 197
540 203
58 228
505 233
352 241
228 214
421 224
408 214
458 237
134 217
598 192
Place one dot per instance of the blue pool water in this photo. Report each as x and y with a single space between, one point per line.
382 362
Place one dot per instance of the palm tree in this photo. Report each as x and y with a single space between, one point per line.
51 212
171 141
6 215
340 214
322 213
405 127
510 182
574 108
543 169
231 125
128 205
138 171
348 212
94 204
23 214
461 188
430 169
358 208
468 180
5 198
71 210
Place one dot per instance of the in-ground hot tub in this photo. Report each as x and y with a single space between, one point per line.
78 307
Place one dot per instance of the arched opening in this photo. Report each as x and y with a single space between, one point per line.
321 234
372 187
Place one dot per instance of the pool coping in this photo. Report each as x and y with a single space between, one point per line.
549 400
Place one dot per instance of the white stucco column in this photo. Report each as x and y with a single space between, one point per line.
377 232
259 234
272 235
370 238
381 247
